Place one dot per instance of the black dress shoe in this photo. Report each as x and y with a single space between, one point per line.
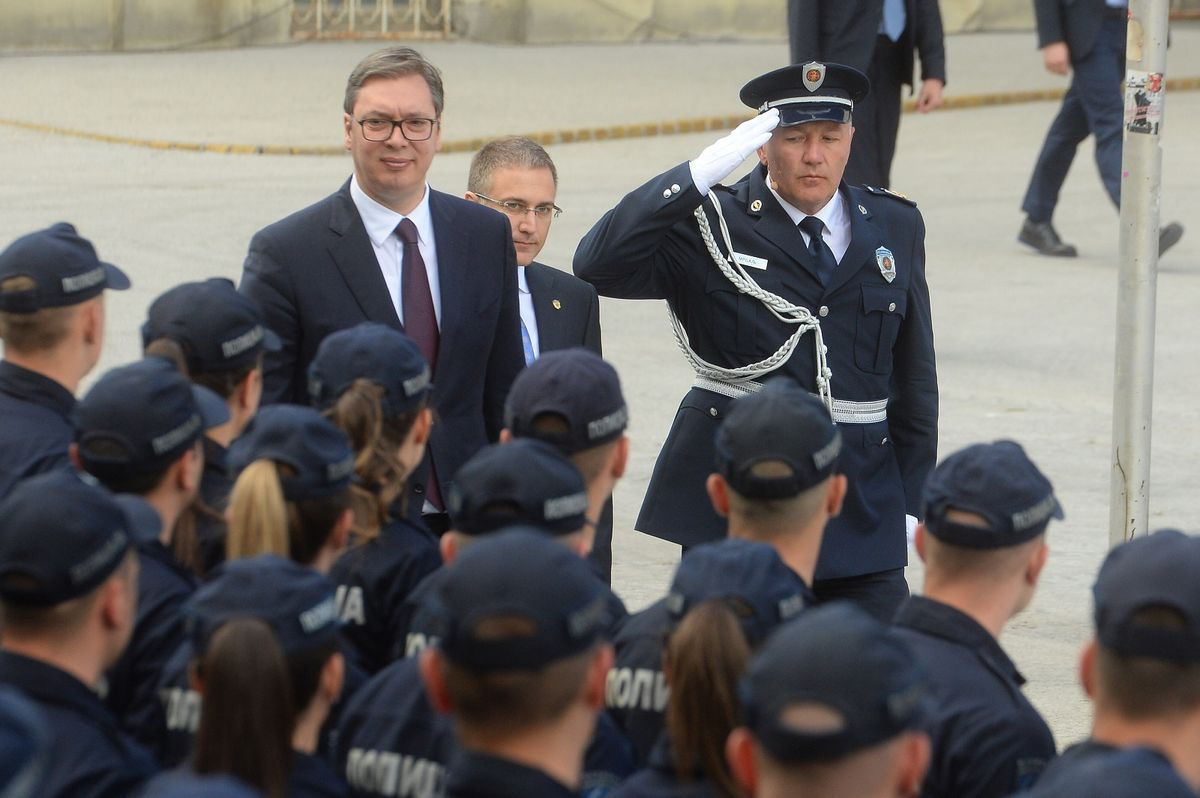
1168 236
1041 236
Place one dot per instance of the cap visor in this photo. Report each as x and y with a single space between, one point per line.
271 342
144 522
813 112
116 279
213 409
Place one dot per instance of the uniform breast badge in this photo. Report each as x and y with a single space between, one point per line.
887 263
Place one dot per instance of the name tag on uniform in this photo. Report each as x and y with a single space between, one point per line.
749 261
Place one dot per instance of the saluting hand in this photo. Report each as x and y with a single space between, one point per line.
727 153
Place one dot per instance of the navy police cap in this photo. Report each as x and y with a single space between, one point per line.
295 601
747 576
317 452
518 574
576 386
63 267
997 482
777 443
374 352
809 92
1157 570
218 328
139 418
62 537
523 481
838 659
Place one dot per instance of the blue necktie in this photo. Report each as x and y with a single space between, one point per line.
894 17
822 255
527 343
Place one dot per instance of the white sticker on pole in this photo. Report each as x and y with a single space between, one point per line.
1144 95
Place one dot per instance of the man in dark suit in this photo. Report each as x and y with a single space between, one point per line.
877 37
387 248
558 310
1089 37
813 278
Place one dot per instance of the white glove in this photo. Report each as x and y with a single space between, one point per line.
726 154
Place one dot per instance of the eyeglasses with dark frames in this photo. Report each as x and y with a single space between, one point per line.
413 129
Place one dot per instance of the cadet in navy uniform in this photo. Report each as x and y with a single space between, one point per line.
138 431
983 543
854 294
1142 672
831 708
725 600
68 592
217 338
24 746
373 383
52 322
520 665
776 480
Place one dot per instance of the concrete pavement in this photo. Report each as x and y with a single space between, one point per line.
1025 343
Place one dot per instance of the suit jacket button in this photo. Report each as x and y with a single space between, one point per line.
824 311
418 489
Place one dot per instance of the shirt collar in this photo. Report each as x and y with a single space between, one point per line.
834 212
522 280
380 220
936 619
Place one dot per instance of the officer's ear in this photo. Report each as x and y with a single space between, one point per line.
506 435
448 546
741 756
718 494
431 664
838 485
421 428
76 460
620 460
920 542
333 676
914 761
471 195
595 685
1037 561
1087 669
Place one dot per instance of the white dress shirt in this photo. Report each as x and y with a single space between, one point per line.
527 314
833 215
381 222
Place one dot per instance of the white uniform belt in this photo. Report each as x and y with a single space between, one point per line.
844 411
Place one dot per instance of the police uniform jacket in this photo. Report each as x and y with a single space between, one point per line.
35 425
636 691
988 740
374 579
659 779
216 483
89 756
476 775
878 333
312 777
1091 769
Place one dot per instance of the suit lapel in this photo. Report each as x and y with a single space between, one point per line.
865 238
455 285
542 280
354 257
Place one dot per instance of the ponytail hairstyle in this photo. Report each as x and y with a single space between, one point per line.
262 521
247 708
705 656
376 438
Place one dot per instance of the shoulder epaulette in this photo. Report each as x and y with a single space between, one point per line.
884 192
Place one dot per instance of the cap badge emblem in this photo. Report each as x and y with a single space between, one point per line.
887 263
814 75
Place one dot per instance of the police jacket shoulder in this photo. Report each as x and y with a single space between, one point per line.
35 426
885 192
476 775
312 777
659 779
90 757
1090 769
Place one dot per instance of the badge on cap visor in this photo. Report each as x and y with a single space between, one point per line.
887 263
814 75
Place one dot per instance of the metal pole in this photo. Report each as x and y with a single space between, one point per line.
1141 169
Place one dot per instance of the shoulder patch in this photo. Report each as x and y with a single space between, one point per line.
883 192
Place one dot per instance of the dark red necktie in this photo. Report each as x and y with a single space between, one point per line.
420 321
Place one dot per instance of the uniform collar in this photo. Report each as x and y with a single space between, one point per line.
312 777
380 221
476 775
21 383
47 684
833 215
936 619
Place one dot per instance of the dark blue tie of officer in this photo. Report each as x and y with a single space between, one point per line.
821 253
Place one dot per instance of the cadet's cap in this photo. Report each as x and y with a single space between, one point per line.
997 482
62 538
373 352
139 418
839 661
182 783
523 481
747 576
24 745
551 604
218 328
63 266
317 452
812 92
295 601
777 443
1157 570
575 385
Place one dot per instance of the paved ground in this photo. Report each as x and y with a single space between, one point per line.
1025 344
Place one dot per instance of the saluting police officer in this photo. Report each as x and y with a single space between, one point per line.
983 542
789 271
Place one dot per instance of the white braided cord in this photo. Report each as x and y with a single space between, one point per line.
783 310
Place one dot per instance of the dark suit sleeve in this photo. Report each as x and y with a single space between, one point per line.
931 41
804 28
507 357
913 406
1050 26
591 338
266 280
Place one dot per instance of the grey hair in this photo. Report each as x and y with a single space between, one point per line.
394 62
509 152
